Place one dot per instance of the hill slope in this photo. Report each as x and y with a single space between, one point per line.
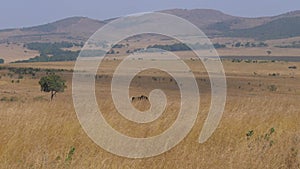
69 29
213 23
276 29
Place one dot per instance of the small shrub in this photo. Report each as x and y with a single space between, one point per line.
11 99
268 136
271 143
274 74
70 154
292 67
20 77
272 88
249 133
272 130
10 75
58 158
237 60
262 142
3 99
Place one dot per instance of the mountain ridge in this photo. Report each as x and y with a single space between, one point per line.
212 22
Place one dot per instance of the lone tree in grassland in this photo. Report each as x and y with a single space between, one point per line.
52 83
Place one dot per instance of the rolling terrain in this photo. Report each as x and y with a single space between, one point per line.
259 128
212 22
240 35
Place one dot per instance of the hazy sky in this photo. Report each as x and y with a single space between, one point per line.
23 13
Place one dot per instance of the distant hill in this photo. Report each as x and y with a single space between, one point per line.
69 25
213 23
202 18
69 29
276 29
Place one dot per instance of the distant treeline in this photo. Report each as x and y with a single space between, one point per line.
249 44
185 47
48 46
33 72
50 52
293 45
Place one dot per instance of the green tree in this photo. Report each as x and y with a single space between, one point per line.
53 84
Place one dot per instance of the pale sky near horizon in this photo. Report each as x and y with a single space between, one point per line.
24 13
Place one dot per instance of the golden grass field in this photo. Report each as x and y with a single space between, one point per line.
37 133
13 52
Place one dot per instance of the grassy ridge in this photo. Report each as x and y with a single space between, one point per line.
277 29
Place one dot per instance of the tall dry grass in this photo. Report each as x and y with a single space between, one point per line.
37 133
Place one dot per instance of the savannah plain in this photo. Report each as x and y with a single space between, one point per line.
259 128
262 97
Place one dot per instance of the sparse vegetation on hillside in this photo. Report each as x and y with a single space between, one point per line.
21 72
249 44
292 45
277 29
51 52
185 47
